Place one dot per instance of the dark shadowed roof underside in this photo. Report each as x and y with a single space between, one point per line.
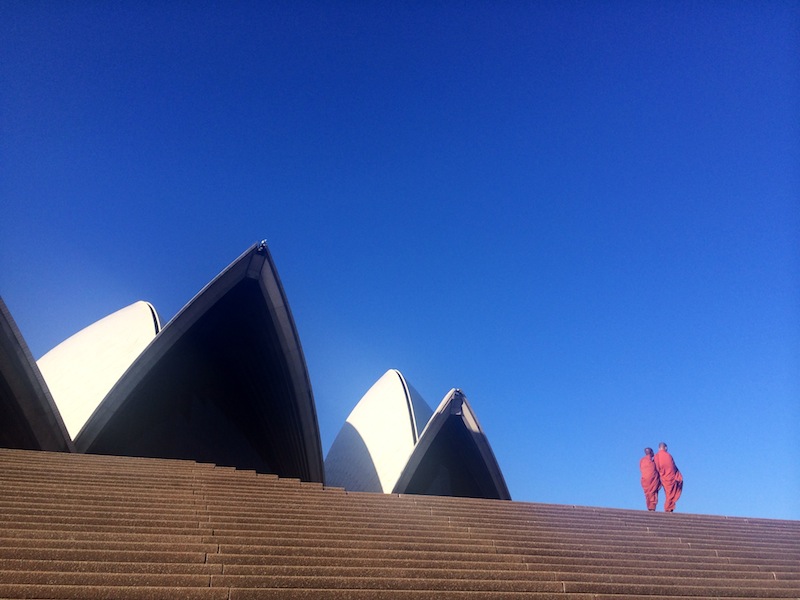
29 418
453 457
225 381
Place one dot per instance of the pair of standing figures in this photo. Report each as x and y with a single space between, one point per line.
660 471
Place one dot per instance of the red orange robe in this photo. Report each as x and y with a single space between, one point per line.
651 482
671 479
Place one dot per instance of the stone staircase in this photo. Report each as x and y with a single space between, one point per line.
85 526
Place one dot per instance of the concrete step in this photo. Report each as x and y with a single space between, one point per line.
321 594
19 528
110 546
101 555
46 537
231 554
371 583
296 529
554 572
126 519
102 592
50 577
88 566
685 587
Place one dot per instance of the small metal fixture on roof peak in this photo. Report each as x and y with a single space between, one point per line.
458 401
262 247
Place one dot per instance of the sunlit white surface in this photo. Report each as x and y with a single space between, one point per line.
82 369
379 435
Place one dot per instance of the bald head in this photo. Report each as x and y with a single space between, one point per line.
648 451
662 446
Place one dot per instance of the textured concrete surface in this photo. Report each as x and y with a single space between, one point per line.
84 526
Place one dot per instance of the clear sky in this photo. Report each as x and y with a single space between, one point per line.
583 214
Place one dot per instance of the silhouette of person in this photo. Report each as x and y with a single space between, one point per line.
651 482
671 478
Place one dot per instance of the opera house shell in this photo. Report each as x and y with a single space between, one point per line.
393 443
225 382
453 456
378 437
82 369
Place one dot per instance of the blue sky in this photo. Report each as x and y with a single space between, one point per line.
584 215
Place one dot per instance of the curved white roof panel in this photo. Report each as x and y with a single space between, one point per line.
379 435
453 456
29 418
225 381
82 369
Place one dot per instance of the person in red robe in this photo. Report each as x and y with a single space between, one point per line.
671 477
651 482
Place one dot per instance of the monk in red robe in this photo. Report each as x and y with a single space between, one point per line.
671 477
651 482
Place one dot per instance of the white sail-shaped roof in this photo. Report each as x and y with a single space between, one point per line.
379 435
82 369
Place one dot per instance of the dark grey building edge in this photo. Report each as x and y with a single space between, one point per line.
29 418
225 381
453 457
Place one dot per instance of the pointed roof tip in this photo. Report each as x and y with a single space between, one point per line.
154 314
413 400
